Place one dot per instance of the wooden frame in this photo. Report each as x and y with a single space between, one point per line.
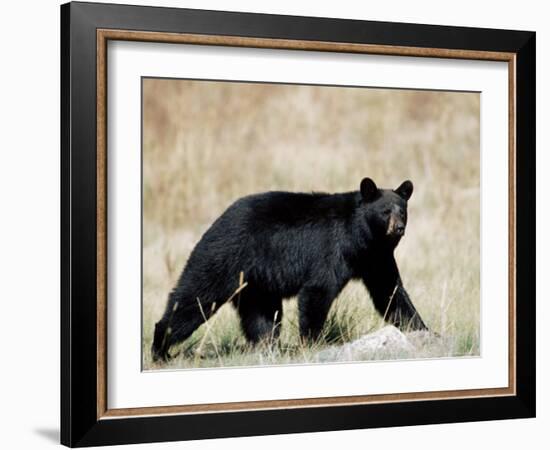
86 419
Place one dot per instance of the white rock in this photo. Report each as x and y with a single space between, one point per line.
388 340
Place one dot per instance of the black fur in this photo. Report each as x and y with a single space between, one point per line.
288 244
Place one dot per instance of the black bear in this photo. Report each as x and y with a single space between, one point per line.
288 244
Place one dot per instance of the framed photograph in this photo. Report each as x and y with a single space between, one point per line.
278 224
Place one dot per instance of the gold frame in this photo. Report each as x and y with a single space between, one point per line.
104 35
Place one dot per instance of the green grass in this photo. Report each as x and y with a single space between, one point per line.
206 144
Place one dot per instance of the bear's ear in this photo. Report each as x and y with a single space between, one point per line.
405 190
368 189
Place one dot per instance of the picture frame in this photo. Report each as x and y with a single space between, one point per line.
86 418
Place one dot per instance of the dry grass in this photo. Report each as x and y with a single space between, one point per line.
205 144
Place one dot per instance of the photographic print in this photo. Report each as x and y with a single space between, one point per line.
325 203
292 224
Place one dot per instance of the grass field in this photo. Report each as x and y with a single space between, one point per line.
207 143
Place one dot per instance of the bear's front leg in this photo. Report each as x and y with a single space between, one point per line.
313 306
389 296
401 312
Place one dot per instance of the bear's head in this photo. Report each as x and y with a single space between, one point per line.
385 210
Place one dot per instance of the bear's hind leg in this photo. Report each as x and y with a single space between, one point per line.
181 318
261 316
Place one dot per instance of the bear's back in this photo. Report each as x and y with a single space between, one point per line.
279 208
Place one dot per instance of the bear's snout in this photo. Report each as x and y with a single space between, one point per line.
396 227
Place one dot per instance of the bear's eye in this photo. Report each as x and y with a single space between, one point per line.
387 211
